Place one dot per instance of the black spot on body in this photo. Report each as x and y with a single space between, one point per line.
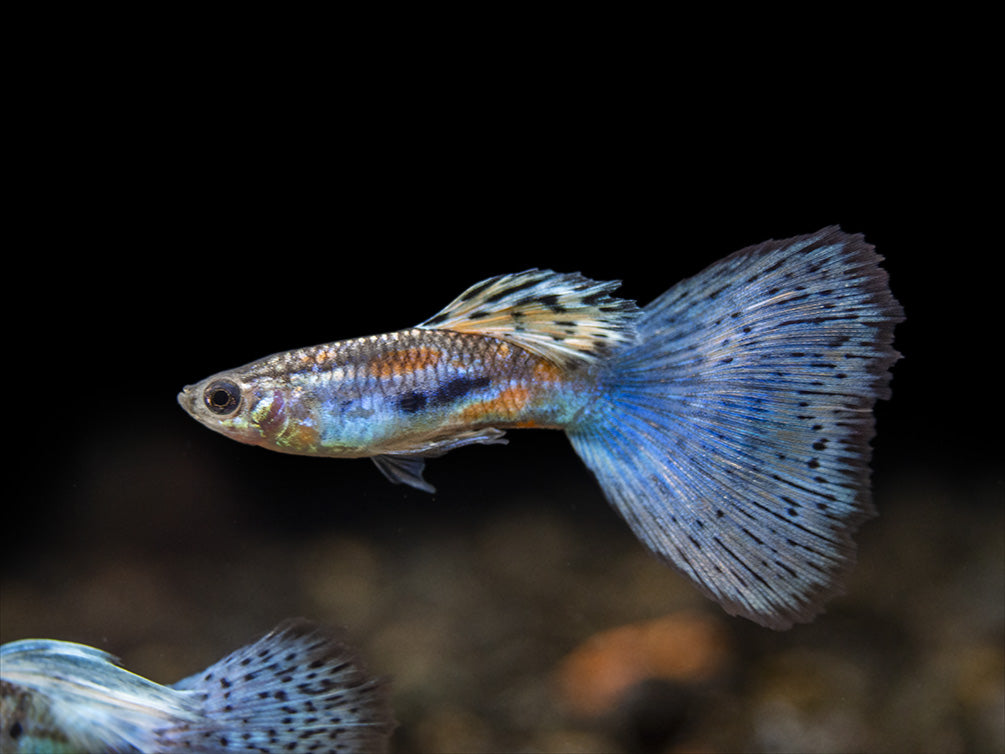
412 402
457 388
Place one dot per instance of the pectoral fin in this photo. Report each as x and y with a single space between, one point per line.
406 467
404 470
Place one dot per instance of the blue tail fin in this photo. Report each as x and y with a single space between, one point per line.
297 689
733 435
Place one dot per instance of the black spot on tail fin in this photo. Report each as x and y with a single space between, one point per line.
734 436
298 689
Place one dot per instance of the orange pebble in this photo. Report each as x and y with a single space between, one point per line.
682 647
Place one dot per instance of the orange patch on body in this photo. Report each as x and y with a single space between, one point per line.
507 405
512 403
405 361
545 371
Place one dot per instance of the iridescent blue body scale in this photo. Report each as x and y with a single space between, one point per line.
728 421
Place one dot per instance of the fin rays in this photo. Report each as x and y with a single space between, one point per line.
734 436
297 689
565 318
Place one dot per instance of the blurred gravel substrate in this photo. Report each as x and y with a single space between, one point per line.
475 621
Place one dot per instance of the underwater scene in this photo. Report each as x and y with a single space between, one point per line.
501 598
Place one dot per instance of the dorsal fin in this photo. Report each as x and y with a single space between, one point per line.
563 317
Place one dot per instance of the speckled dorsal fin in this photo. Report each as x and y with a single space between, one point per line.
563 317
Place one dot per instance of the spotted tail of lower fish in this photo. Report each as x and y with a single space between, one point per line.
297 689
733 435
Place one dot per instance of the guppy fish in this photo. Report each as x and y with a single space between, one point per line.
728 421
297 689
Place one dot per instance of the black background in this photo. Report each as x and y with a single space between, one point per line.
186 204
170 234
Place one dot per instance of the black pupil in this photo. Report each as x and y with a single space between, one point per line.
222 397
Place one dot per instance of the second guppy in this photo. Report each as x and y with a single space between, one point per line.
728 421
297 689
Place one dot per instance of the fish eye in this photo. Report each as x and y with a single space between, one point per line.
222 397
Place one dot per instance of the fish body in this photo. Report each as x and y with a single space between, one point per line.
399 392
408 395
728 421
297 689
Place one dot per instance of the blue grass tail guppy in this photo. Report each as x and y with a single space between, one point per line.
297 689
728 421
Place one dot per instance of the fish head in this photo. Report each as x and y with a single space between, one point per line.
243 406
225 403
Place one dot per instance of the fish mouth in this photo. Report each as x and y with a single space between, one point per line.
186 398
